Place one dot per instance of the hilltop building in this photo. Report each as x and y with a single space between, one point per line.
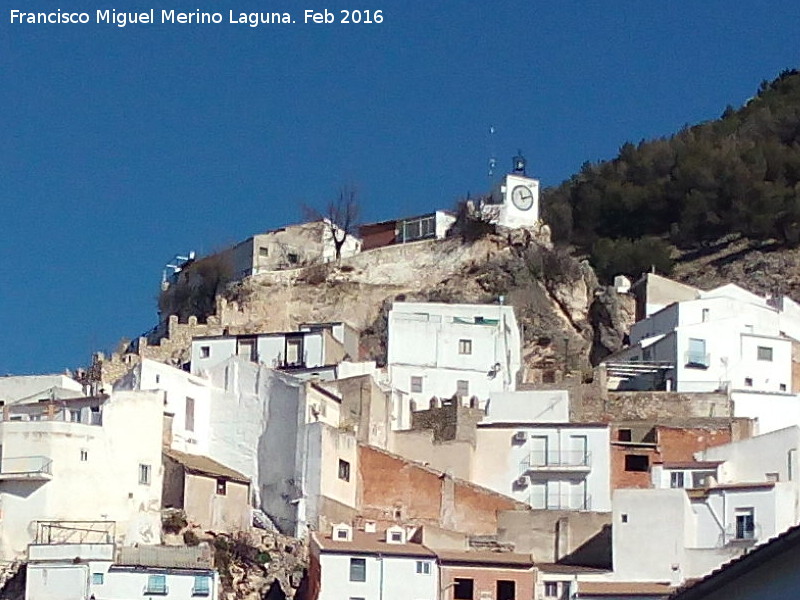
470 350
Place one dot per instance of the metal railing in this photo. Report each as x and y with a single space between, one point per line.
572 501
569 459
26 465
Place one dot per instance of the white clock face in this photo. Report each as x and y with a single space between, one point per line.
522 197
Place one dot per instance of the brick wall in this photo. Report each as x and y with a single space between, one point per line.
393 489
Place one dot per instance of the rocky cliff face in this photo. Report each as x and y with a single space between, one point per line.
554 295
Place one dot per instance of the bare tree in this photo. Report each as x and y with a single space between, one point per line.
341 216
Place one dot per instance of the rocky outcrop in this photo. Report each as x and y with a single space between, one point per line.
611 315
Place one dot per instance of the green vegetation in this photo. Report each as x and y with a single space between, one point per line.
738 175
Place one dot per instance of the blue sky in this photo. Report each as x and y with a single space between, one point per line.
121 146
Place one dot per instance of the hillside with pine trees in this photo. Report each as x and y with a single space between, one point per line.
732 180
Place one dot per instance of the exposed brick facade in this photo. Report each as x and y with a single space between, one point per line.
393 489
485 578
662 443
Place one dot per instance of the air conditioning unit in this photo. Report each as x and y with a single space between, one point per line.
521 436
522 481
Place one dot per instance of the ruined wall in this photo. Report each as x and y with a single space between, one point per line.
448 420
395 490
649 406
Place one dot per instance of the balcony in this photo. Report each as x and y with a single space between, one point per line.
577 461
573 501
26 468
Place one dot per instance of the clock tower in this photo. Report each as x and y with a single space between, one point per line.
515 201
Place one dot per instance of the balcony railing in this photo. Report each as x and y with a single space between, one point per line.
26 467
573 501
577 460
697 360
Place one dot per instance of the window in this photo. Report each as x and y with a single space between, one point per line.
465 346
551 589
293 258
696 356
144 474
676 479
745 524
636 462
294 352
506 590
75 415
263 251
201 587
358 569
344 470
97 578
624 435
396 537
423 567
341 534
157 585
702 478
748 382
84 455
706 312
773 476
463 589
462 387
782 387
158 378
624 518
189 424
764 353
222 487
205 352
647 354
416 384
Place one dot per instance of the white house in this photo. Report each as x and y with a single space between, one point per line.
17 388
289 247
359 564
562 466
726 339
302 353
188 398
83 459
94 570
741 495
447 350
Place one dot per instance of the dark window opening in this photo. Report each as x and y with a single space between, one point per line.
344 470
358 569
222 487
506 590
463 589
637 462
624 435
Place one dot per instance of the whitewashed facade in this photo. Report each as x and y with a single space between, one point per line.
563 466
748 494
447 350
89 570
93 459
725 340
366 565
